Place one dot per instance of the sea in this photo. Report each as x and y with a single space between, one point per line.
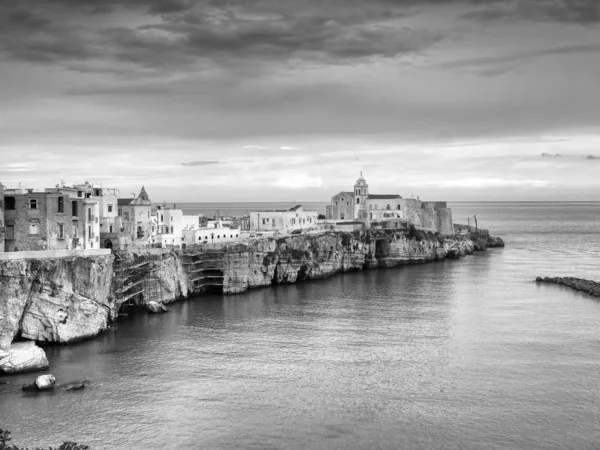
458 354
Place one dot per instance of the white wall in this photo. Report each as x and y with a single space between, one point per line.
283 221
211 235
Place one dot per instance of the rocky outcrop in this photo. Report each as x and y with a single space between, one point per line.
23 357
579 284
67 299
54 300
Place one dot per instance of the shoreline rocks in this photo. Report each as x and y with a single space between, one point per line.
156 307
23 357
578 284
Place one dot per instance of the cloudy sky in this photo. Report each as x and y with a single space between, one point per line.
275 100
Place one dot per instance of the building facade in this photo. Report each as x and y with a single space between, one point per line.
283 221
132 226
46 221
211 235
389 210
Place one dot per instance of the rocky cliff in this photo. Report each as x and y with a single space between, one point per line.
62 300
234 268
54 300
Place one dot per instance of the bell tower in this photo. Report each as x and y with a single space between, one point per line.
361 192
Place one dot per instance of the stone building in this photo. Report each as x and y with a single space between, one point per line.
104 213
132 225
346 205
283 221
388 210
46 221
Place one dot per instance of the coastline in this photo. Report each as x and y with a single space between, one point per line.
66 300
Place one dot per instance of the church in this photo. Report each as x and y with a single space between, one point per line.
348 206
388 210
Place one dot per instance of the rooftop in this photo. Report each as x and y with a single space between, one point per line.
383 197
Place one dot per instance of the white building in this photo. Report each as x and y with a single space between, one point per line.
167 227
283 221
211 235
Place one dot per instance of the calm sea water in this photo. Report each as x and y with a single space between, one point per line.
465 354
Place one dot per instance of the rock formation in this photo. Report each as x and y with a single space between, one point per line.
67 299
23 357
589 287
54 300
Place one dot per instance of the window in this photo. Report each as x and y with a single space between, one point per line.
358 200
398 206
110 208
61 231
273 222
89 232
10 232
74 208
120 212
388 207
148 214
33 228
33 203
10 203
171 229
61 204
264 221
97 192
336 203
75 229
110 228
79 194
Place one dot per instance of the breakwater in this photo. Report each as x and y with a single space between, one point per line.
71 298
578 284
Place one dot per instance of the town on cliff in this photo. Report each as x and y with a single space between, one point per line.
78 257
89 216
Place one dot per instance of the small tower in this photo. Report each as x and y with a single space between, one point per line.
361 192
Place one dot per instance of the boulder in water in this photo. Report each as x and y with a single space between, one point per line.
45 382
155 307
23 357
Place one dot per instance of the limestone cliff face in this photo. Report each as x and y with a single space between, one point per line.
55 300
297 258
67 299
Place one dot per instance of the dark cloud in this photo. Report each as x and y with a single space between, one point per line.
200 163
180 34
592 157
569 11
550 155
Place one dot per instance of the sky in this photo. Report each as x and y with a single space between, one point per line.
288 100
